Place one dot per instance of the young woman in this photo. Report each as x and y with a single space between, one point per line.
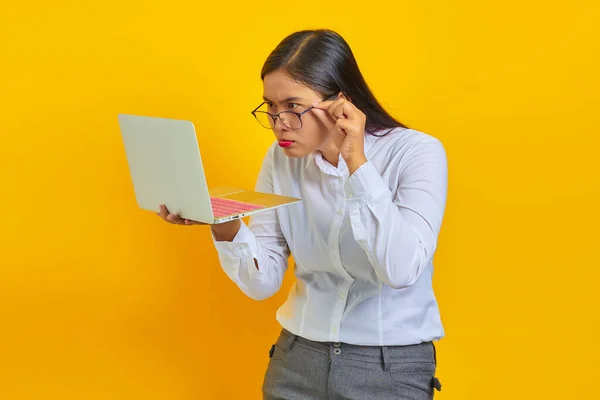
360 321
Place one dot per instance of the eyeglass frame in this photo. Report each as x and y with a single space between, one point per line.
299 115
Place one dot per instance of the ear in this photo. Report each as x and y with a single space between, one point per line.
343 95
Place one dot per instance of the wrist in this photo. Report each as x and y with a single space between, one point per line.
227 231
355 163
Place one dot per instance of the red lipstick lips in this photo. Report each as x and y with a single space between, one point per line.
285 143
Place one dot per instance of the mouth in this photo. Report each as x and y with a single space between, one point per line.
285 143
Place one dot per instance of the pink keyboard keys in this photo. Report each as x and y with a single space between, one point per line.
224 207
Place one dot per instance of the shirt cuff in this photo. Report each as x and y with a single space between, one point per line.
365 182
243 244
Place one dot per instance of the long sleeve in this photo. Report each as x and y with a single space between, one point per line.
398 231
263 241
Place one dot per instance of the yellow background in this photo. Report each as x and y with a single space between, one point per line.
100 300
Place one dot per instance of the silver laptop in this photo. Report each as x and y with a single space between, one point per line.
166 168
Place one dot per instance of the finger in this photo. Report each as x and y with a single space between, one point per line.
338 133
345 125
323 105
335 111
163 212
325 118
327 105
339 109
343 108
351 127
175 219
190 222
167 216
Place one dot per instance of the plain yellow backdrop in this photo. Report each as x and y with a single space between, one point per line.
100 300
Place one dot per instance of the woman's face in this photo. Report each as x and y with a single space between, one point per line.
281 93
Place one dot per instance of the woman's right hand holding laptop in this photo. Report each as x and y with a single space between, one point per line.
224 232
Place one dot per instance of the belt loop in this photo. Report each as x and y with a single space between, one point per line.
289 341
386 358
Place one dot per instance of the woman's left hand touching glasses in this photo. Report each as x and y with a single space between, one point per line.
346 125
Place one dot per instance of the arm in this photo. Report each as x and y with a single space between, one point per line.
255 257
398 231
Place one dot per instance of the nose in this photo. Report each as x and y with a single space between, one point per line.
282 126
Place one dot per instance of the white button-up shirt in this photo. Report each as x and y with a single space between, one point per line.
362 245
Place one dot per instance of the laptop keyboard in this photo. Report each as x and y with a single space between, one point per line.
224 207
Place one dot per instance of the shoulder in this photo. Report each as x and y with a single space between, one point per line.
402 144
409 139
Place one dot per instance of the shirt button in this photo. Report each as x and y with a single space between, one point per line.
340 212
337 351
343 296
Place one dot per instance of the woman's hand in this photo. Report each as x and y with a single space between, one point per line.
174 218
346 125
225 232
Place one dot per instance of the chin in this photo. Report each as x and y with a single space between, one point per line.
294 153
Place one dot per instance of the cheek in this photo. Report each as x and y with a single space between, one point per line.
313 132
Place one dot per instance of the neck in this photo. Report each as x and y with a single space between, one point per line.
330 153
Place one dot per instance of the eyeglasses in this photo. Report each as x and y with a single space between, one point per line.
290 119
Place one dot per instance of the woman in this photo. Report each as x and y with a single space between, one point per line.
360 321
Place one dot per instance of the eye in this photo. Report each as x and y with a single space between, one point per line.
292 106
270 104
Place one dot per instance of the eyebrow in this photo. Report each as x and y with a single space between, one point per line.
289 99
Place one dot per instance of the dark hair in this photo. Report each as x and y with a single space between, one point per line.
323 60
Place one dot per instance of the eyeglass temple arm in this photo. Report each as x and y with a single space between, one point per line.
256 109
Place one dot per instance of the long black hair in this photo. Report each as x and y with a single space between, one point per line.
322 60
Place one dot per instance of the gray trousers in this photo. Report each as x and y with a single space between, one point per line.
301 369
